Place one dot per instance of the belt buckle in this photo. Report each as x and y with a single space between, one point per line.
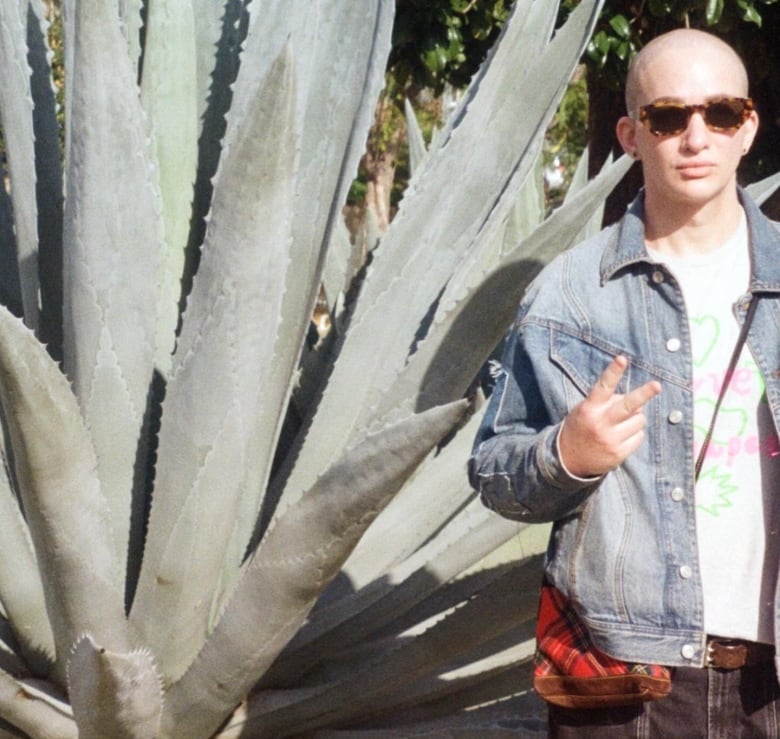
726 654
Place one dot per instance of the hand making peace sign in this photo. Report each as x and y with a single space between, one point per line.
606 427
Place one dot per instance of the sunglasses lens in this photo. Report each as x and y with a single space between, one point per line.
725 114
666 119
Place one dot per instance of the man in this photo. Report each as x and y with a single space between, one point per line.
609 381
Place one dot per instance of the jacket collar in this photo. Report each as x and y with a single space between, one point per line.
626 244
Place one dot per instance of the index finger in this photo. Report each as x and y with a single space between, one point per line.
636 399
610 378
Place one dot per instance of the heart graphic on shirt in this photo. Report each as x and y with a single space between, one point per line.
732 422
709 330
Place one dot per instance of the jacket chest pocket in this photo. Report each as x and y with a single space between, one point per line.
583 362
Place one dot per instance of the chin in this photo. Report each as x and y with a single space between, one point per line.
702 195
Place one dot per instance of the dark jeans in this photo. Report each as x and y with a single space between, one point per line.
716 704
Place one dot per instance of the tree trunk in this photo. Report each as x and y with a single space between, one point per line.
379 186
605 107
380 160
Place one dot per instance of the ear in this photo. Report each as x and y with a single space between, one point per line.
749 130
626 135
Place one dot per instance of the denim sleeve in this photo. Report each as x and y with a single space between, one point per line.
515 465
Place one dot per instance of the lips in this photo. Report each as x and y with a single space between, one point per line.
695 169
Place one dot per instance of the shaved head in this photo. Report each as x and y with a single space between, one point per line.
689 41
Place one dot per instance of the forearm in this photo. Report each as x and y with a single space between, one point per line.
520 476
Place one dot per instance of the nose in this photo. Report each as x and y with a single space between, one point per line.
695 136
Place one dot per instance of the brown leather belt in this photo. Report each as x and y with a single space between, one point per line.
731 654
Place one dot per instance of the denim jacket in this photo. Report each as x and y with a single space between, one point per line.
623 546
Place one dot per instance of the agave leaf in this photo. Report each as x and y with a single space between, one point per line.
495 239
111 254
48 173
447 598
452 693
416 244
472 724
114 694
521 715
518 717
338 270
533 23
412 708
227 331
10 289
504 672
578 183
579 179
529 210
207 17
130 13
463 542
522 195
220 29
35 708
362 688
16 113
343 80
518 650
297 661
417 148
11 657
21 590
405 525
172 102
346 257
762 190
288 572
464 334
66 512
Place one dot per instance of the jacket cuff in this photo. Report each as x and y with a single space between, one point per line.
552 467
570 475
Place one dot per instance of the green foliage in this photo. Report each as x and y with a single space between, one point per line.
626 25
54 18
443 41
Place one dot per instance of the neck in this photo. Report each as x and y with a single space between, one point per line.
686 230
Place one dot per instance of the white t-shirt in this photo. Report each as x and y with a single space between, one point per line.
738 552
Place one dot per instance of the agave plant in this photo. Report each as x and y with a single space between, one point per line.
207 527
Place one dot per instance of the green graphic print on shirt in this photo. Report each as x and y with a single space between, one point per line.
734 434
